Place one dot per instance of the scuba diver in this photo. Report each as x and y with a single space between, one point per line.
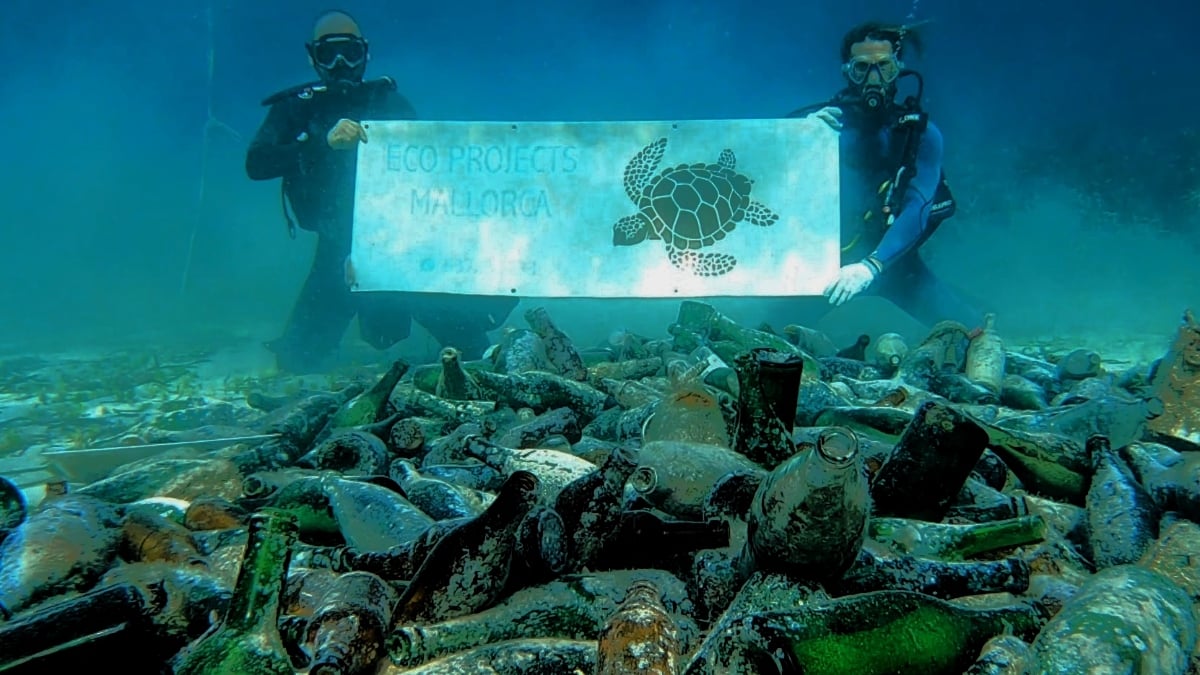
309 139
894 191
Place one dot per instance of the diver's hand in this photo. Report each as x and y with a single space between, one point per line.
345 135
851 280
830 115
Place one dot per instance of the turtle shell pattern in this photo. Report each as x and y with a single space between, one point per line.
688 207
692 206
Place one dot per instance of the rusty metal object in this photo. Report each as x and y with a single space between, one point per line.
1177 384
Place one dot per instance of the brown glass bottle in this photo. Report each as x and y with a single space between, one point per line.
346 633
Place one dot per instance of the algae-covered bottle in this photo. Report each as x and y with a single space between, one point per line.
809 516
929 465
454 382
883 632
985 357
768 388
1048 464
705 320
1122 520
591 507
1124 619
1172 478
888 351
347 631
468 569
560 353
1002 655
939 578
574 607
945 541
640 637
247 640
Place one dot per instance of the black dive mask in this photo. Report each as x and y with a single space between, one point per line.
339 58
874 80
872 102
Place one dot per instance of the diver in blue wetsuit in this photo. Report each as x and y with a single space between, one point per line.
894 192
310 139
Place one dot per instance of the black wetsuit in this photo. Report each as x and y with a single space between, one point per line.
319 184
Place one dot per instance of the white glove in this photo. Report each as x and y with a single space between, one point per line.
852 280
830 115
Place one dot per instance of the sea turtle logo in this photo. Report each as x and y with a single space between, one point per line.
688 207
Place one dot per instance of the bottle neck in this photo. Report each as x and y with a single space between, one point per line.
383 388
255 601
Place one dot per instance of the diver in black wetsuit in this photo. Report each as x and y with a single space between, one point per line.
309 139
894 193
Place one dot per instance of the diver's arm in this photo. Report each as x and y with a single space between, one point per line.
913 218
276 148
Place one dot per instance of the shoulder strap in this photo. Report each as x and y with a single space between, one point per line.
912 123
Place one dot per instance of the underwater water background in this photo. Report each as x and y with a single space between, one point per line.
1071 138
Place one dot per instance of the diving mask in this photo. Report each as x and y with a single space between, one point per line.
886 68
338 50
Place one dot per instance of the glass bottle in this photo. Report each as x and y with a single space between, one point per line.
951 542
768 389
1122 520
809 516
929 465
883 632
985 357
247 640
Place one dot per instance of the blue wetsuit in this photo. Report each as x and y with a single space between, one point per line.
871 156
912 223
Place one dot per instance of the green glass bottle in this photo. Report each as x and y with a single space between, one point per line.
542 391
1048 464
370 406
247 641
871 633
953 542
705 320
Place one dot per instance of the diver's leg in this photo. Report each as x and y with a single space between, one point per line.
384 318
320 315
914 288
462 321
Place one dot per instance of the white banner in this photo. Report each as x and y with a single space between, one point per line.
699 208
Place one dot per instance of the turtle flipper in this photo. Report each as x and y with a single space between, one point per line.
701 264
630 230
760 215
642 167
